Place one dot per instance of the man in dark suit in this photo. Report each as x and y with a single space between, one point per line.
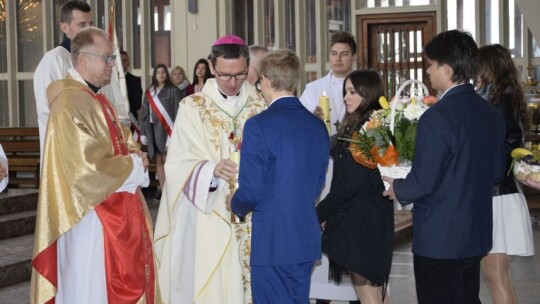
284 157
134 88
459 158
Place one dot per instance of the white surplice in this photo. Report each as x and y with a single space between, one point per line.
53 66
333 88
196 246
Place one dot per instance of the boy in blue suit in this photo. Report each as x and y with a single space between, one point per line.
283 164
459 158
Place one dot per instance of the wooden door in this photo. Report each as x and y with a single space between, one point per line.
392 44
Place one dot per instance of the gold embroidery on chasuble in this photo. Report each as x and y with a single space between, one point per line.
216 122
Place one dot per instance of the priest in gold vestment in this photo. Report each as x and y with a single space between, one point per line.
202 256
93 241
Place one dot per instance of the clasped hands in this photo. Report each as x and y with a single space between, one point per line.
143 156
390 192
226 169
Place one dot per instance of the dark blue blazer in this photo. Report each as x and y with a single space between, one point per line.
459 157
283 163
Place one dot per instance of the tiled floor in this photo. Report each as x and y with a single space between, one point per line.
525 275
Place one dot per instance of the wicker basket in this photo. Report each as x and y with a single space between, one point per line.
400 90
401 171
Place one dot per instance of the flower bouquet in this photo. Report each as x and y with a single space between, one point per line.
387 140
526 164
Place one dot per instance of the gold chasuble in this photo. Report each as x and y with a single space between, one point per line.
85 162
202 257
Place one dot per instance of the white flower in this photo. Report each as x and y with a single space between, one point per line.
399 105
413 111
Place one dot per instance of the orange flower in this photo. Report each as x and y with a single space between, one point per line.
373 123
389 158
429 100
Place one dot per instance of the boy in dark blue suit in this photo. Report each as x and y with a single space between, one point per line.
283 164
459 158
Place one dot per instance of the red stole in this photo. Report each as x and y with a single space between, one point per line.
129 258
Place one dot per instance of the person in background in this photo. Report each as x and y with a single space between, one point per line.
199 250
459 157
74 16
286 236
497 81
342 51
93 239
179 78
201 73
358 220
4 176
255 54
134 88
158 112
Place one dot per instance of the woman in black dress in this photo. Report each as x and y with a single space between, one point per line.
358 221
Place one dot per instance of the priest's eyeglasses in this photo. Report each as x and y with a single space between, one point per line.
227 77
107 58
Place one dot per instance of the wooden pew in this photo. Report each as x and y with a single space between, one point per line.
21 146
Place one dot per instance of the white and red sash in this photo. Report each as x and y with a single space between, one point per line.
160 111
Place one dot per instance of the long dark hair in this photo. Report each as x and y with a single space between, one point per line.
207 73
496 70
369 85
168 81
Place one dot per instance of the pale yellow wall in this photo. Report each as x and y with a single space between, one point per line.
531 13
194 34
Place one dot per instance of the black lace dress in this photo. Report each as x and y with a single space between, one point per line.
359 220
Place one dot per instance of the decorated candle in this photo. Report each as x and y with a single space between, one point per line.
233 183
324 104
235 157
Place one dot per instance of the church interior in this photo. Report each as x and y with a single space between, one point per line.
389 34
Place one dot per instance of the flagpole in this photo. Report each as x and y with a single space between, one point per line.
118 69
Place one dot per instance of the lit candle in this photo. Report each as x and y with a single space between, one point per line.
324 104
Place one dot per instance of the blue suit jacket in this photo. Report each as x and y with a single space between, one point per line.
283 163
459 158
